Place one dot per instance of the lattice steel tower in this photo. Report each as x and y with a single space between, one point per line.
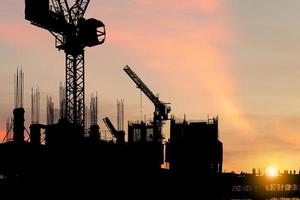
72 33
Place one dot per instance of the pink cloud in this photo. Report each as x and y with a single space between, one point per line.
22 34
208 6
188 47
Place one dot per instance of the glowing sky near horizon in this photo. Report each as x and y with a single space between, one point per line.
235 59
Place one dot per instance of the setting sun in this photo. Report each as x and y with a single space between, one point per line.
272 171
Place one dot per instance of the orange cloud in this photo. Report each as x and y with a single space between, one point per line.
287 130
2 135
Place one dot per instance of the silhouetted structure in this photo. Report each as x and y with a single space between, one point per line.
72 33
119 135
140 132
19 112
35 106
194 148
64 154
50 111
94 132
162 110
35 133
62 100
120 114
64 133
18 127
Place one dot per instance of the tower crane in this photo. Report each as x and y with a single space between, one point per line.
119 135
72 34
161 109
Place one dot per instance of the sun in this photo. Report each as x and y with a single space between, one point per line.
272 171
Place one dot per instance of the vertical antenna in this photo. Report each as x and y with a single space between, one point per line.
35 106
50 110
22 89
19 88
120 114
94 109
18 119
62 100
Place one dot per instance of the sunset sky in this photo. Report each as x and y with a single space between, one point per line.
238 59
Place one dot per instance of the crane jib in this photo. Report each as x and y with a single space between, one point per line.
161 108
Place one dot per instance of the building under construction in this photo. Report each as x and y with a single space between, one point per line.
194 148
64 150
69 146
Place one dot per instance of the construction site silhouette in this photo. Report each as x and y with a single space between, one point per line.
70 152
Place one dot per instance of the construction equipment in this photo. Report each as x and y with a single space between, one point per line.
162 109
72 33
119 135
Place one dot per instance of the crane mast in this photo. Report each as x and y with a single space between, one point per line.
72 33
161 109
